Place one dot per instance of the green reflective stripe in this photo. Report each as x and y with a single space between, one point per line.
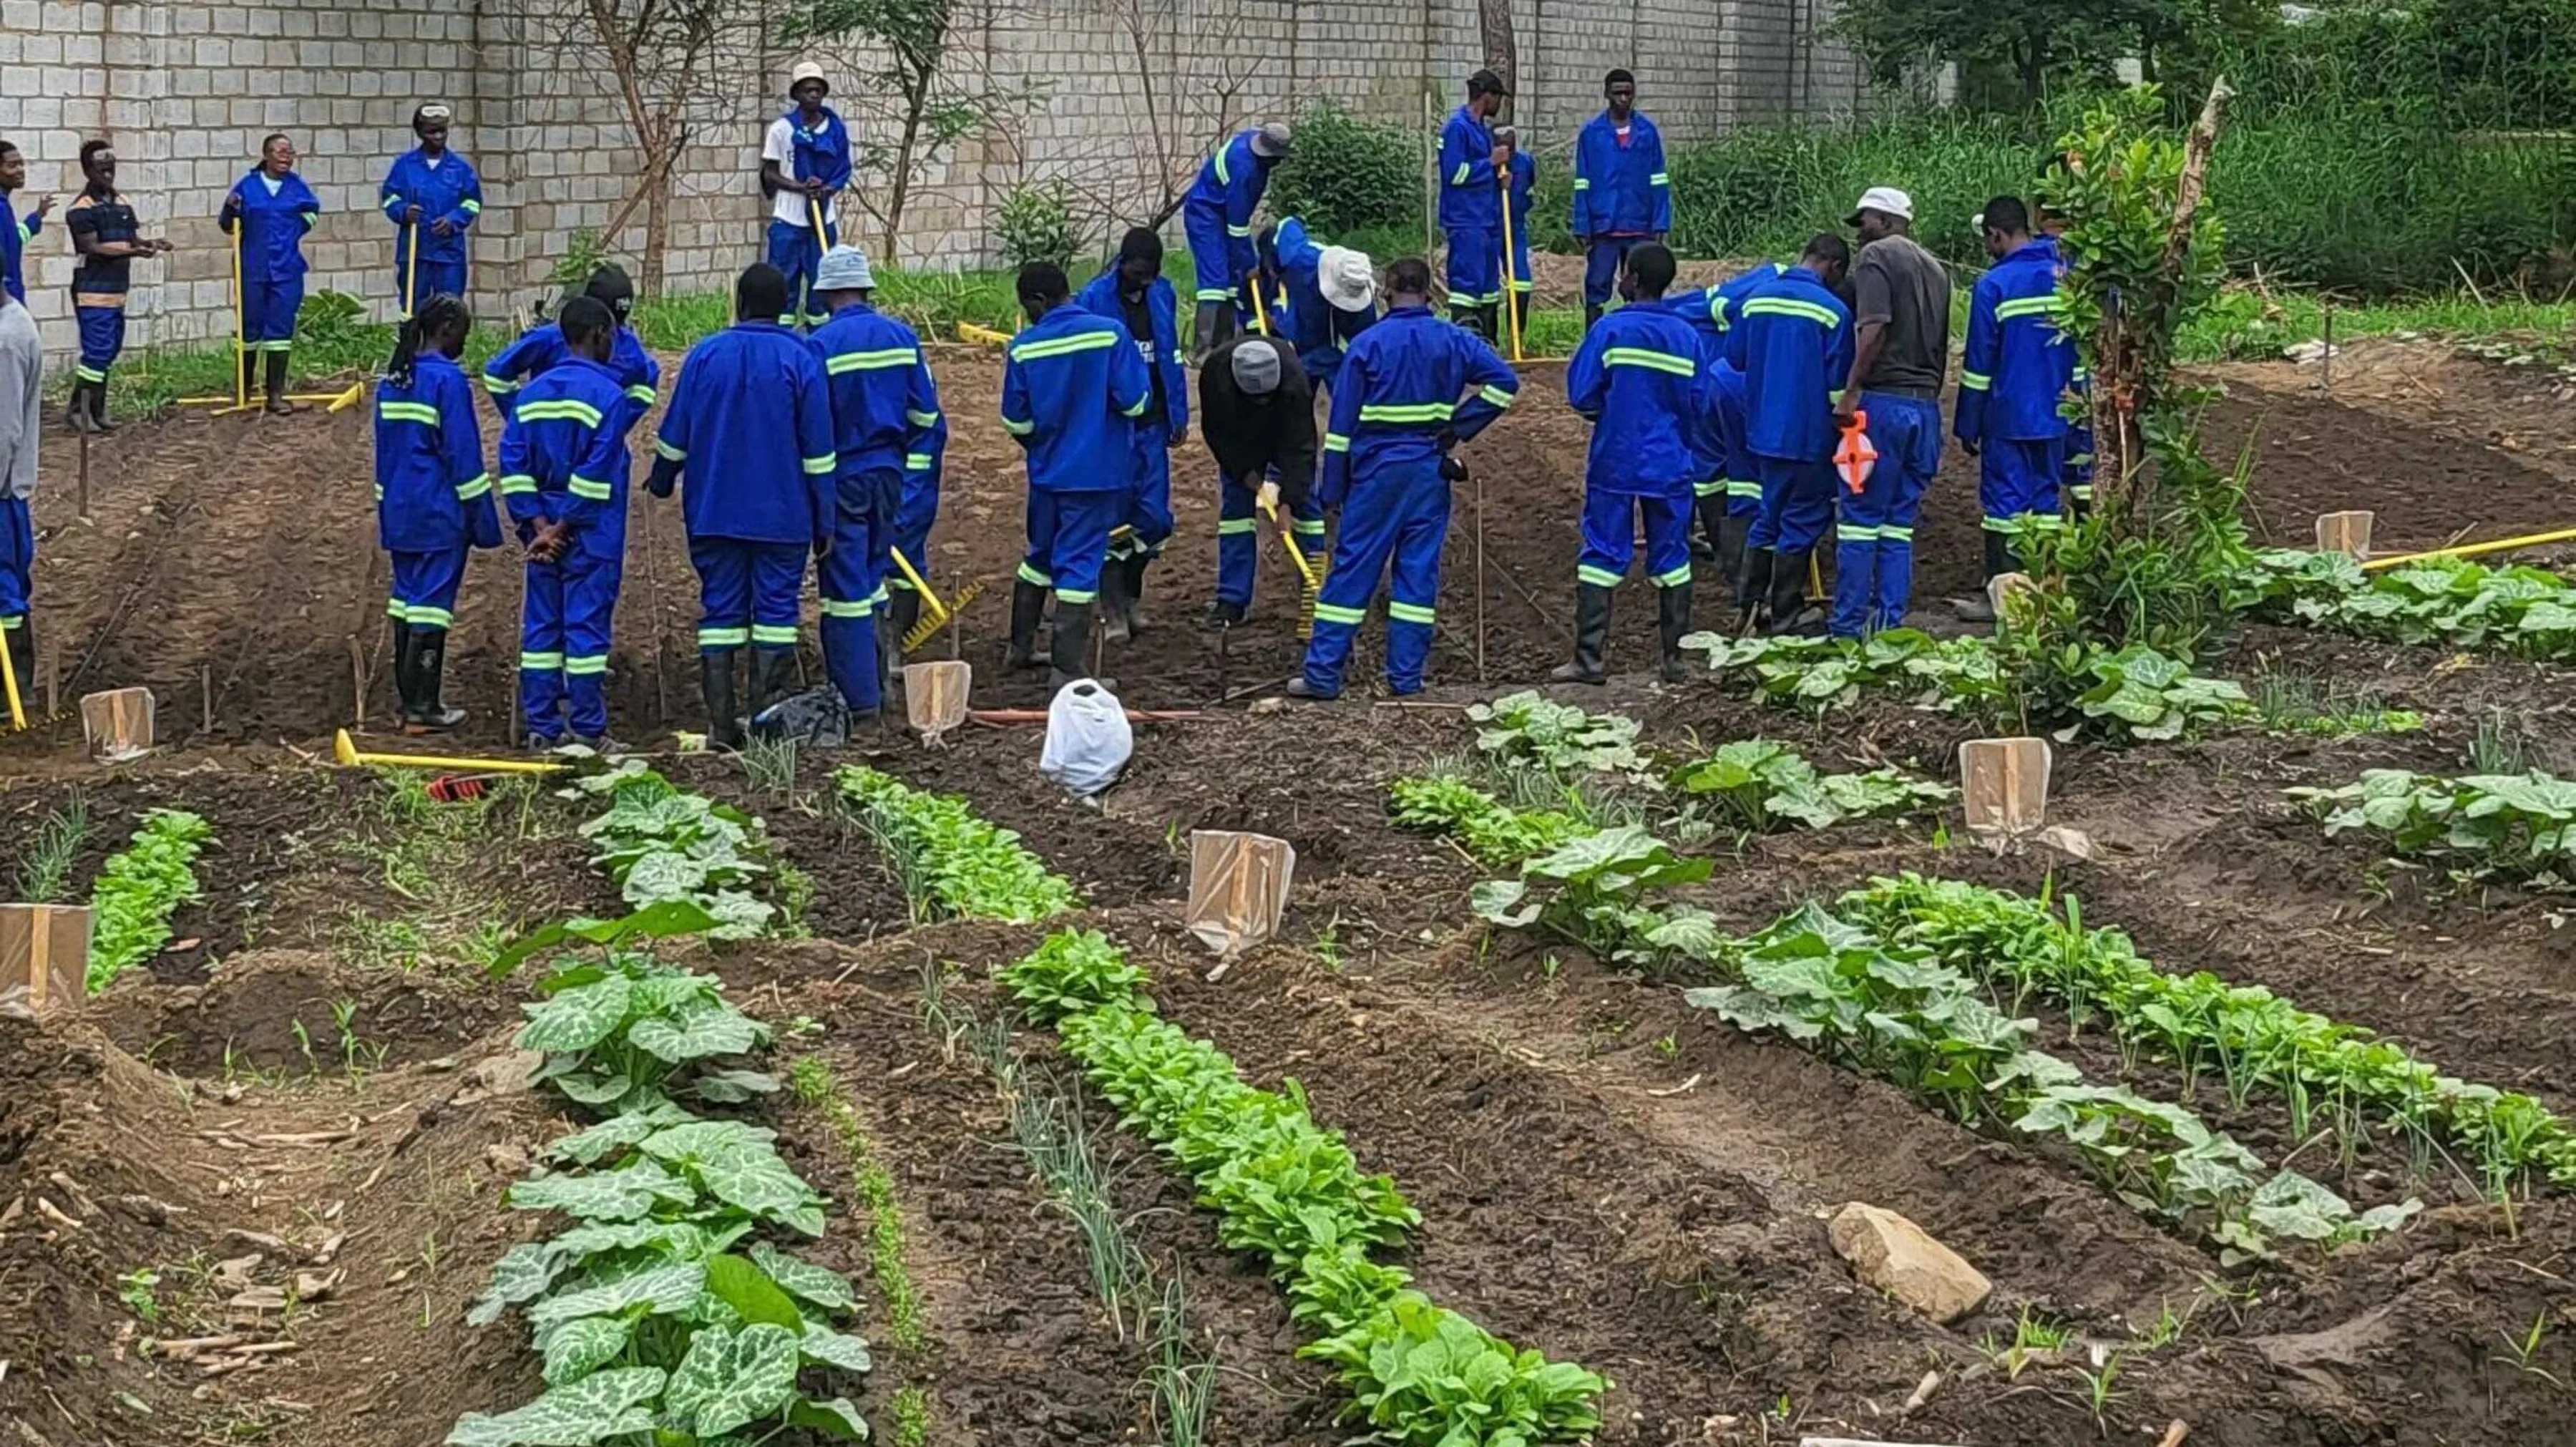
1498 397
1214 293
1224 173
2083 491
589 488
273 346
26 233
1141 404
1018 428
1308 527
1742 487
396 608
1460 179
877 599
1076 595
1580 184
822 466
1855 533
1894 534
2047 521
1650 359
540 662
92 374
1336 442
14 620
1710 488
1678 577
2028 306
1332 613
517 482
1034 578
309 220
723 637
1790 306
499 386
1178 358
921 419
1478 298
380 492
2079 459
2083 375
1406 613
2015 523
1066 346
1660 178
773 632
470 206
427 617
585 665
474 487
641 393
900 585
1597 577
559 409
916 462
1975 381
876 361
1234 230
1409 412
1234 527
834 608
407 412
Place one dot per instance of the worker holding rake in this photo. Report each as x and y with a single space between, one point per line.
433 197
1216 216
267 213
1257 411
1473 161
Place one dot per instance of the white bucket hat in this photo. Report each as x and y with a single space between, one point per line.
807 70
1882 198
1347 280
844 268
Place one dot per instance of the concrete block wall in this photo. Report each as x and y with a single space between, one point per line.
1113 99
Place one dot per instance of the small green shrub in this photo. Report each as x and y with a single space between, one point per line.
1036 224
1348 174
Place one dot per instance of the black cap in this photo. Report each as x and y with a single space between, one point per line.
1485 82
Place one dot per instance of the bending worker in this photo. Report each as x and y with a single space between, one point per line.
22 418
884 410
1257 411
271 208
1396 415
433 500
1792 341
1072 390
804 167
2015 366
1216 216
1331 297
1637 376
1133 293
749 431
433 198
1473 162
540 348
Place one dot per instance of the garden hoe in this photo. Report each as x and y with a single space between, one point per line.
2471 550
9 677
344 751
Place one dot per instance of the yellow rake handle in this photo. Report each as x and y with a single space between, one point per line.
9 677
345 753
1296 554
969 332
929 599
241 318
411 269
1260 307
2474 549
1510 311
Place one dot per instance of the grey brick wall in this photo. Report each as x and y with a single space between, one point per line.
1115 99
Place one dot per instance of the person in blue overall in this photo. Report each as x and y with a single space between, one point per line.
1637 377
107 238
1411 389
1473 162
749 431
1257 412
1134 293
2011 375
1216 220
22 419
563 481
271 209
1331 296
913 519
1900 351
805 163
433 500
1792 340
16 231
541 347
884 409
433 197
1519 281
1622 193
2075 474
1074 390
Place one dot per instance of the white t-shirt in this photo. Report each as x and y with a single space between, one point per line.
790 205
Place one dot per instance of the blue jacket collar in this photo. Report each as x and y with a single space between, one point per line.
856 308
756 324
2038 248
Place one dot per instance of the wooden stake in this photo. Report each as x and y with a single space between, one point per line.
358 678
2325 380
54 680
1476 478
206 698
83 508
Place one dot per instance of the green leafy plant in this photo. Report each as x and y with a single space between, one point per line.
2455 602
45 869
662 843
1348 174
138 889
1496 834
954 864
1035 223
814 1087
1070 972
1529 728
2145 695
1592 892
2519 827
629 1032
1760 783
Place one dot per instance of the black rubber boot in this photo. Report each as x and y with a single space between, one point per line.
1113 600
405 690
1072 639
773 672
1591 636
21 644
278 406
1672 624
429 712
98 422
1132 595
76 410
249 374
1473 319
889 650
1753 583
1028 601
1211 327
1591 317
715 684
1731 533
1492 317
903 614
1786 611
1221 615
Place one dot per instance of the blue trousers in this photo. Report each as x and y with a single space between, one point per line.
1238 536
429 279
17 562
1223 261
1797 502
747 593
1874 542
1475 267
1149 492
1610 538
102 340
1069 540
1601 263
424 588
852 579
2075 474
563 638
912 523
1403 520
268 312
2014 478
792 250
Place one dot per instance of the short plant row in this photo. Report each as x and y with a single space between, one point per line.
137 891
2253 1038
1494 833
953 863
661 844
873 1186
1289 1190
666 1312
2455 602
2519 828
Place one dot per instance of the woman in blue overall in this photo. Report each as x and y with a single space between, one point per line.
271 209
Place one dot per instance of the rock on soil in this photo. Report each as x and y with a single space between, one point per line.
1899 1258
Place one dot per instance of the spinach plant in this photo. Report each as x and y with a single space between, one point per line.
137 891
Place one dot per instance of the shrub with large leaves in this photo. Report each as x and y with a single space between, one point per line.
628 1032
2452 601
662 844
1528 728
1759 783
2519 827
2145 695
1592 891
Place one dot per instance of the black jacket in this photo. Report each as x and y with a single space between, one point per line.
1250 436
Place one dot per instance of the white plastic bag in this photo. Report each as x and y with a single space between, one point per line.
1088 740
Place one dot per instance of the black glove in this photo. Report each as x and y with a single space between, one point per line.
666 475
1451 469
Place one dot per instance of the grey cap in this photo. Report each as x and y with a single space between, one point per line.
844 268
1256 367
1272 140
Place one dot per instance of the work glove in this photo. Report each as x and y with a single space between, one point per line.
1451 469
1267 501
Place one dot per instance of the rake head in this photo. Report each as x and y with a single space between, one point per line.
930 624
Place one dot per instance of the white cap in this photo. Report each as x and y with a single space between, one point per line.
1347 280
1882 198
807 70
844 268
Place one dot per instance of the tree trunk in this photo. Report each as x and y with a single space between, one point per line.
657 230
916 101
2033 55
1500 43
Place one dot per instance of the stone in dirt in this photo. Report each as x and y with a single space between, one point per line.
1898 1257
